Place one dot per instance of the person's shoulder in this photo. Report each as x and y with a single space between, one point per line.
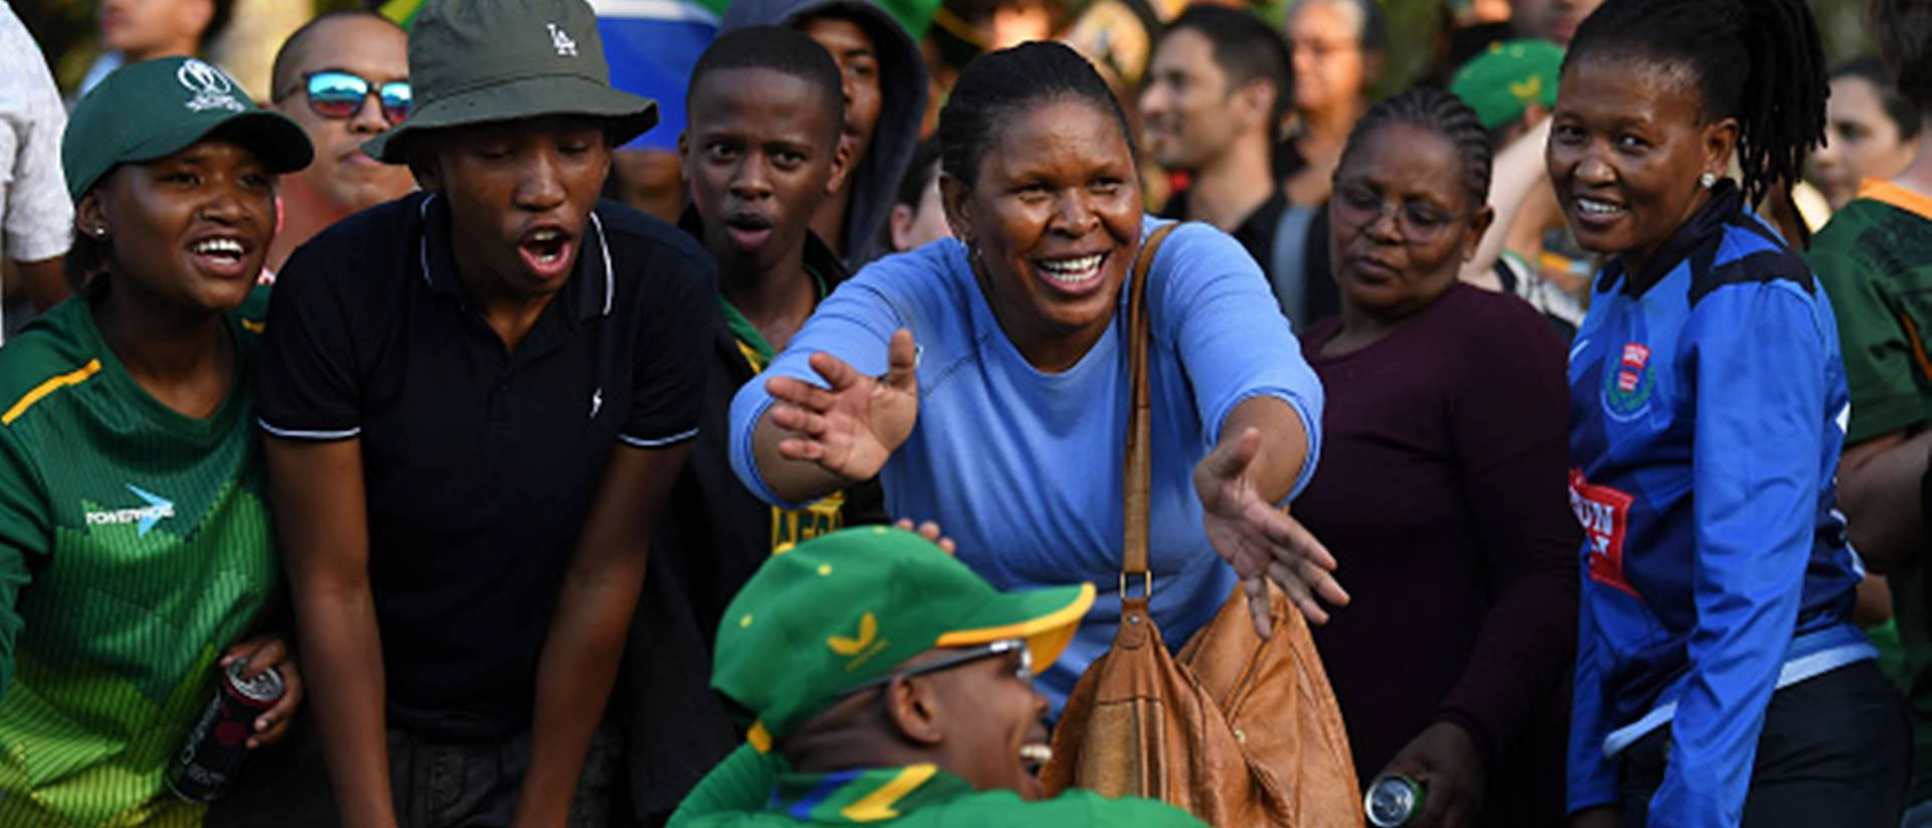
934 272
1193 238
372 247
52 354
1751 255
632 233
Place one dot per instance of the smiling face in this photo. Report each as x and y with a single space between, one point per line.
1054 216
1862 141
1402 220
759 153
189 231
858 61
343 176
993 717
520 194
1187 110
1627 144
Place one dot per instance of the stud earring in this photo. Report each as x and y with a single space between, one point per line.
100 232
1707 180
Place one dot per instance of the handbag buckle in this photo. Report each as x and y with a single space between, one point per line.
1146 588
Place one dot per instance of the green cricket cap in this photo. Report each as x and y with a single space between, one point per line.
153 109
478 61
852 606
1500 83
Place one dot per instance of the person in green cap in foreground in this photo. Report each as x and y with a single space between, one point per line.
135 556
475 400
891 685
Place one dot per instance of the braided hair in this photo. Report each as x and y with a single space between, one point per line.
1443 114
1758 61
998 85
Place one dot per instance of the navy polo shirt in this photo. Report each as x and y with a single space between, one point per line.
480 462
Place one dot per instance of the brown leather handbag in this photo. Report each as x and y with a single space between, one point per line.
1236 730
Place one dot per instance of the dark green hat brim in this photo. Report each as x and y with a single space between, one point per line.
628 115
277 142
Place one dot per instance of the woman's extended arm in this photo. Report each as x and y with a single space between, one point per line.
813 441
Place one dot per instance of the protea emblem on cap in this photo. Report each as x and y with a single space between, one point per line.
212 88
558 38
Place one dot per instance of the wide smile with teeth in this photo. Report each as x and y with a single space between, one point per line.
1593 207
1072 271
1035 755
223 247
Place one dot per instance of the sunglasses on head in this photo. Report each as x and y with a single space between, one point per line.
338 95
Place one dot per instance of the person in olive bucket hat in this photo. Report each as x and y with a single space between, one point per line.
889 684
474 402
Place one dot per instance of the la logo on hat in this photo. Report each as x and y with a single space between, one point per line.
561 40
212 88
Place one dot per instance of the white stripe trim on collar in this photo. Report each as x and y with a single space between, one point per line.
298 434
610 280
659 442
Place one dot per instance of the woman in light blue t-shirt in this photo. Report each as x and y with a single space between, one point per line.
1006 421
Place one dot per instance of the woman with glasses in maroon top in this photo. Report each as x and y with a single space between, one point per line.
1440 490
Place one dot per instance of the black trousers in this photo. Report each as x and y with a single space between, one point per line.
1835 751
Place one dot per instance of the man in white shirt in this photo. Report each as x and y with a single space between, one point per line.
36 216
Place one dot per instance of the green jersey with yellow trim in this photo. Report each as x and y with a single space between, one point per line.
755 790
134 548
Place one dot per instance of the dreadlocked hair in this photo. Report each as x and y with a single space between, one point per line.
1443 114
1758 61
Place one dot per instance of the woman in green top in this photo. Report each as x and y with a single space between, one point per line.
135 553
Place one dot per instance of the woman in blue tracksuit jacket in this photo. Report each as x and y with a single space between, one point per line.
1719 679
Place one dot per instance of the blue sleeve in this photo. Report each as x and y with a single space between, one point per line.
1592 776
1219 314
1761 394
855 324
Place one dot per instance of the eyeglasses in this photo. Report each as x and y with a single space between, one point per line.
1023 671
1361 207
338 95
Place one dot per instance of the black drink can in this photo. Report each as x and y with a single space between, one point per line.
219 741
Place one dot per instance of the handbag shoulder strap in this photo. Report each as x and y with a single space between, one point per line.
1139 467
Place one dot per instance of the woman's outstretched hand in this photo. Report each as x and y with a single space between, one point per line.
1261 540
852 427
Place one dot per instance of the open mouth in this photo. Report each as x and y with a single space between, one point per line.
220 255
546 251
1072 274
749 231
1034 755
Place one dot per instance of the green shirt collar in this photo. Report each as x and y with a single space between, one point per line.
864 796
747 334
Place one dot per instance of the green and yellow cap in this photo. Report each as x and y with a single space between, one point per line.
153 109
852 606
1504 80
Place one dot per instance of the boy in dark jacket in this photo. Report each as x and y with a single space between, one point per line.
884 90
760 152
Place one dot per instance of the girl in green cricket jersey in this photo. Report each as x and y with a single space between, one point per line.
135 551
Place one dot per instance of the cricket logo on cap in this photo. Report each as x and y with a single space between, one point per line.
212 88
861 649
561 40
